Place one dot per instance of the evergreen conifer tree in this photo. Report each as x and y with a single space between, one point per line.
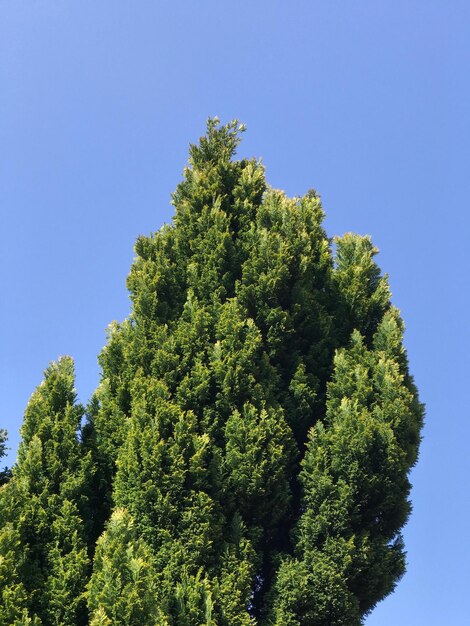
256 422
44 561
246 454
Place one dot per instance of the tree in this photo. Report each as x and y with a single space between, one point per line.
5 474
44 559
3 438
256 421
245 457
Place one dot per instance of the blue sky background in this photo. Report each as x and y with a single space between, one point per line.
368 102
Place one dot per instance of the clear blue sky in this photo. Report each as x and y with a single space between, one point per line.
368 102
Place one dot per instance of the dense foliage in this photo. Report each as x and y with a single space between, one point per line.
44 561
245 457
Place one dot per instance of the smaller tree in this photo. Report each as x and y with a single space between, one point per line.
5 473
3 438
43 551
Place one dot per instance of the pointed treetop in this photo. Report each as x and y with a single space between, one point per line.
218 144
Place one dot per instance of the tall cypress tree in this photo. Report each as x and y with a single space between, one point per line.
246 454
43 550
255 422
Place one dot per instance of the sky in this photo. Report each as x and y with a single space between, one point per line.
367 102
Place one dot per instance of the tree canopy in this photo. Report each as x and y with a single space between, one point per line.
245 457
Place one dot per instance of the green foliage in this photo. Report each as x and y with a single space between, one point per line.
364 292
123 589
246 454
42 538
355 485
313 590
14 597
258 453
210 391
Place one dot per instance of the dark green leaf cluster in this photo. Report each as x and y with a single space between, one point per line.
245 457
